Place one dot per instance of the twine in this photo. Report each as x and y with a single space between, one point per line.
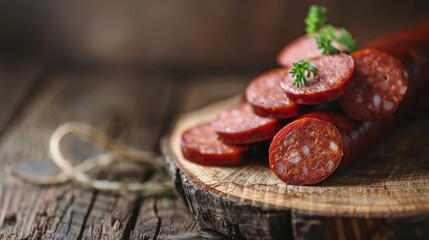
114 153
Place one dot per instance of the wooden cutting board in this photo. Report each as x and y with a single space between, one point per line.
385 194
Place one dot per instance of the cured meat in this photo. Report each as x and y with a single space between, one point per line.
201 145
268 98
411 48
302 48
311 148
378 85
319 143
334 73
291 157
240 125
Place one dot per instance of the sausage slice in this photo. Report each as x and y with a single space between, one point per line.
268 98
334 73
201 144
306 151
377 87
240 125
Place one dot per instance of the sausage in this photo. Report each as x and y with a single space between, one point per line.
320 143
240 125
377 87
303 48
200 144
334 73
311 148
411 48
267 97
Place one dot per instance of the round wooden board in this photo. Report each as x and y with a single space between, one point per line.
390 181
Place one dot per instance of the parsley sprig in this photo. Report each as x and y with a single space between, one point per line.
301 71
316 19
325 34
344 38
324 40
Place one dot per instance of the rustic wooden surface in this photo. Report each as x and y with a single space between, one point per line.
135 108
190 47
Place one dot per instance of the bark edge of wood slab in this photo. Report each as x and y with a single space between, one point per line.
248 201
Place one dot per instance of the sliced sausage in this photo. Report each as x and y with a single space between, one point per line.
200 144
311 148
411 49
334 73
240 125
302 48
268 98
378 85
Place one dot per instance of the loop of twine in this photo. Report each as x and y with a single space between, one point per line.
114 153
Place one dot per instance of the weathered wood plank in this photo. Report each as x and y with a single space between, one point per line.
168 219
131 108
197 92
141 131
308 227
125 105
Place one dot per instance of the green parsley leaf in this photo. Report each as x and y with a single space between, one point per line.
324 40
315 20
330 34
345 39
301 71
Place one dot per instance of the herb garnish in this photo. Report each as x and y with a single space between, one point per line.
301 71
325 35
315 20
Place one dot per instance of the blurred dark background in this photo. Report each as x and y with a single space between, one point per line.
186 34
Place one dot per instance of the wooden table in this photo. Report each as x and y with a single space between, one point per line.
134 107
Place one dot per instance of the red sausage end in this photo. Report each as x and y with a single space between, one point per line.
306 151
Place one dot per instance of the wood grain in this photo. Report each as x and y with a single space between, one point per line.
118 103
197 91
389 182
135 109
59 101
